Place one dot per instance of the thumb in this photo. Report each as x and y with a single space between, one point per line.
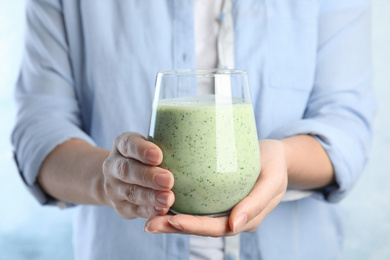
267 189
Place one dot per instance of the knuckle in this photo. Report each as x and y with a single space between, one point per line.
119 208
140 212
130 145
118 141
145 212
106 166
150 198
121 169
139 174
126 211
145 178
121 143
136 146
127 144
130 193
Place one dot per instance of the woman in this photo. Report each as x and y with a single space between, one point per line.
87 80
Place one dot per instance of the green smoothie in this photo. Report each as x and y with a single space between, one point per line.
211 147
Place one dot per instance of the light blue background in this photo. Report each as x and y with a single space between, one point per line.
29 231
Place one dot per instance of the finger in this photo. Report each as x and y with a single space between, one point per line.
135 172
266 189
143 196
160 224
128 210
134 145
253 224
201 225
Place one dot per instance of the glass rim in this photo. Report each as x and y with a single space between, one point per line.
200 72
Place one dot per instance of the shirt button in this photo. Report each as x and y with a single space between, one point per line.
230 257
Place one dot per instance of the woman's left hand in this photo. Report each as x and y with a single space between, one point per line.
247 215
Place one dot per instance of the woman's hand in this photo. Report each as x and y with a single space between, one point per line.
247 215
133 184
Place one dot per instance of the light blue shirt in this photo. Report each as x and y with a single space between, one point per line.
89 70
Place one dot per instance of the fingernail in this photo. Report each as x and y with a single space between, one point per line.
175 225
159 209
146 228
153 155
164 199
239 222
164 180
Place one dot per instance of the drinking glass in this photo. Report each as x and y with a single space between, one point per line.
203 121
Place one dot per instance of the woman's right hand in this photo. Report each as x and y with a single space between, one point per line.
133 184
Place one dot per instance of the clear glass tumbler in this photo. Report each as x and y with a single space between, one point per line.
203 121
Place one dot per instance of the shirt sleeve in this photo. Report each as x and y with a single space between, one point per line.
48 107
341 105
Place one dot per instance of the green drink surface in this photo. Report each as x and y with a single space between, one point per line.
212 151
